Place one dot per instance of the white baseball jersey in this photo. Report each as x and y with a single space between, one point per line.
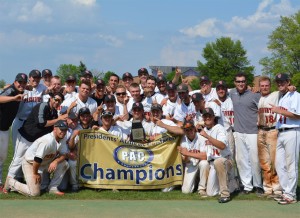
117 131
227 113
90 103
266 117
159 130
290 102
31 98
169 107
119 108
46 148
70 95
147 102
218 132
217 112
209 97
195 146
182 110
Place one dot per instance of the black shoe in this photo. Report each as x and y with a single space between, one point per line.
259 191
224 199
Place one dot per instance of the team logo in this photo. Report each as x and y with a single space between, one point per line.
194 95
220 82
180 87
130 157
279 76
23 76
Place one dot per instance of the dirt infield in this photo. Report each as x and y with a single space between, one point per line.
145 208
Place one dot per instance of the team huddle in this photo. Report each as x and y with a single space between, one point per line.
232 140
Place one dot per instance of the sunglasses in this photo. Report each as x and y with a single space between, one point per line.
240 81
121 93
57 100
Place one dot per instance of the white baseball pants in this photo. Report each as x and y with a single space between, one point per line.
287 159
16 125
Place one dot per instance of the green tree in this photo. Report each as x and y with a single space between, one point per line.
81 67
284 44
2 83
106 76
65 70
224 58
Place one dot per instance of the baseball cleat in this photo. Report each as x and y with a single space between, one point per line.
202 194
286 201
224 199
56 192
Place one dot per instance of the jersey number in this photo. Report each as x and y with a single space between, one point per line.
270 119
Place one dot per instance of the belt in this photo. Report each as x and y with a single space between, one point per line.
286 129
266 128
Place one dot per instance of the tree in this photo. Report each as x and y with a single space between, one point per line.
65 70
225 58
284 44
2 83
106 76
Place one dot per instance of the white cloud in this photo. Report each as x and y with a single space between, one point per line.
88 3
39 12
133 36
111 40
207 28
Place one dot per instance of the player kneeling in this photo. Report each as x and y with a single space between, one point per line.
42 156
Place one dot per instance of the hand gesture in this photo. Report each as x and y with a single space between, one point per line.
164 101
178 72
37 178
126 100
52 167
204 134
63 117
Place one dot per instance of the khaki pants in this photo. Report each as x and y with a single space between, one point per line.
266 142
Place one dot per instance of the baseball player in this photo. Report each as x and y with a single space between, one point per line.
143 75
55 86
127 79
288 143
171 102
192 149
32 97
47 75
99 93
187 108
267 138
150 95
218 154
209 93
9 102
47 153
113 82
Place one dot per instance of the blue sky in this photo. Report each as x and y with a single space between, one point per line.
125 35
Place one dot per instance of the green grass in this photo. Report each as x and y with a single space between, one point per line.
91 194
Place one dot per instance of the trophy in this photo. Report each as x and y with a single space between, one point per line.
137 131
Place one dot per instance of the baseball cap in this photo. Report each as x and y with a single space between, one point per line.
72 115
62 125
197 97
46 72
71 78
100 82
221 83
127 75
204 78
171 86
156 107
142 71
281 77
84 110
161 79
137 105
21 77
106 113
35 73
109 98
188 124
87 73
208 110
182 88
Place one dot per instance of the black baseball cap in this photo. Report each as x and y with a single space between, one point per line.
197 96
142 71
182 88
221 83
21 77
156 107
137 105
109 98
87 73
171 86
61 124
71 78
100 82
209 111
188 124
72 115
46 72
204 78
127 75
84 110
35 73
106 114
282 77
